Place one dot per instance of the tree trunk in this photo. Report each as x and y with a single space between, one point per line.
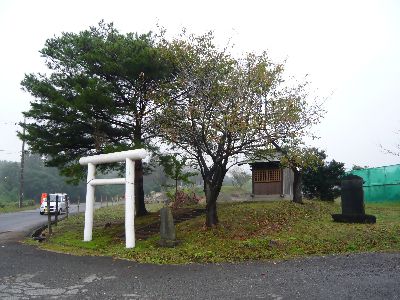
211 216
211 190
297 186
139 192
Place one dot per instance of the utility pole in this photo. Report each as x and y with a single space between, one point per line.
21 179
48 214
56 215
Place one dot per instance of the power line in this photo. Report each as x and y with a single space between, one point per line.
9 123
5 151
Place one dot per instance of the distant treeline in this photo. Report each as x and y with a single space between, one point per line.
39 179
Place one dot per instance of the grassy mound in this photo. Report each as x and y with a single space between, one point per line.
247 231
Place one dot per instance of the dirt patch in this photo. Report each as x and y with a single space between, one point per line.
180 215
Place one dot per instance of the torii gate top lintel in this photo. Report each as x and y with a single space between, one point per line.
113 157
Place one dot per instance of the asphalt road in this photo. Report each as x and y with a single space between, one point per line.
29 273
19 224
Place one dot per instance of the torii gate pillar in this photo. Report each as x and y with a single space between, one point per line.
91 161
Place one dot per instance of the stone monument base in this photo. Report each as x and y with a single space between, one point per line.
168 243
354 218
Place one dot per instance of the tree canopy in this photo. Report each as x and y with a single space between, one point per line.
174 168
239 177
100 96
228 107
108 91
323 181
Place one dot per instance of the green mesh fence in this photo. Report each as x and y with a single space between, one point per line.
380 184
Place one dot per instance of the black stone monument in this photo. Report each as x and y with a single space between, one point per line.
352 194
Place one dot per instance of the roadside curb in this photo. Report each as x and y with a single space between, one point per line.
36 233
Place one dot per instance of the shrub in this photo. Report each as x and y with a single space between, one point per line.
323 182
30 202
184 198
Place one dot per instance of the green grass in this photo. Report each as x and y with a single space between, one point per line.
154 207
247 231
230 192
6 207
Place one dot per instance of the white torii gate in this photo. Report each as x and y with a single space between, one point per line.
129 180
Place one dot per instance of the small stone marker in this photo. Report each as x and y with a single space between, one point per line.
352 195
167 228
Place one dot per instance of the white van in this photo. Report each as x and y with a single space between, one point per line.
62 204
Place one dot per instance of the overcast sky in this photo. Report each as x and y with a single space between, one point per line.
350 49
